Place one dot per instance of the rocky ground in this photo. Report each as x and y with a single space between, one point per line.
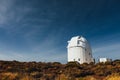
14 70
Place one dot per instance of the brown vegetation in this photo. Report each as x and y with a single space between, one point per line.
14 70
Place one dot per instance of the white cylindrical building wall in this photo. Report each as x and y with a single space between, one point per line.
74 56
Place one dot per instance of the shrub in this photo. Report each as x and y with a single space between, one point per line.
113 77
89 78
72 64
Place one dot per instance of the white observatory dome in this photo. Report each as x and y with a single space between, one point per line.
79 50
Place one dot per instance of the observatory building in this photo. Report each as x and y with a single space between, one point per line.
79 50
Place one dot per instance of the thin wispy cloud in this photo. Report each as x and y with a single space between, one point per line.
5 5
108 51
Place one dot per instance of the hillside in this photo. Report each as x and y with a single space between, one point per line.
14 70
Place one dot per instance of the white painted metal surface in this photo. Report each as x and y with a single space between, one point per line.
79 50
104 60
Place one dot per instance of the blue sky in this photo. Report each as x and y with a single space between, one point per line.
38 30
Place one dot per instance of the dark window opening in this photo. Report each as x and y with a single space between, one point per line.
78 42
89 54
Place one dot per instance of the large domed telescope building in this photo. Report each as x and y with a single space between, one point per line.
79 50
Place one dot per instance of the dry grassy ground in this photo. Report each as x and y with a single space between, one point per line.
14 70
